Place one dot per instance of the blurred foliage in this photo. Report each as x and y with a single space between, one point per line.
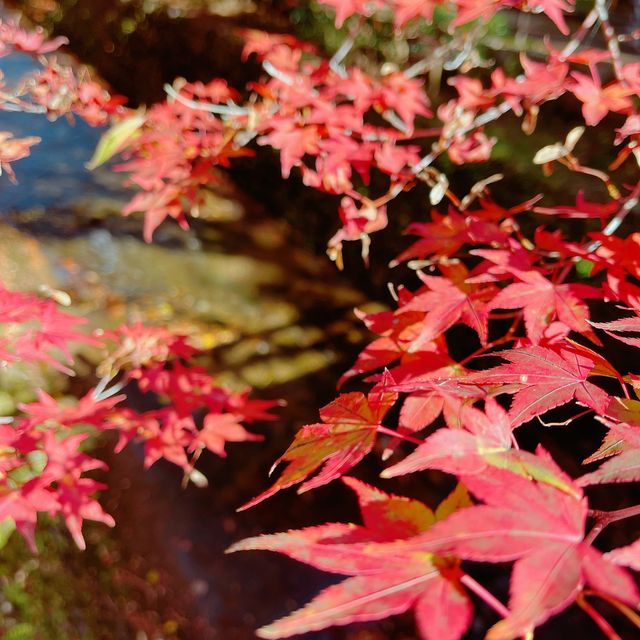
45 596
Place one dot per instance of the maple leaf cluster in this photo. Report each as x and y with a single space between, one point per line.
314 115
42 467
43 464
528 510
338 124
62 91
487 287
57 88
404 11
54 89
175 151
195 413
35 330
494 336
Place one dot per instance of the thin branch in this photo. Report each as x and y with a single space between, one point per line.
618 219
611 38
603 625
439 147
395 434
604 518
393 119
565 422
624 609
418 68
630 203
335 64
23 108
102 391
456 63
436 149
473 585
629 37
579 35
274 72
507 337
229 109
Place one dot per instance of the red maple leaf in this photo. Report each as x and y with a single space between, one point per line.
23 504
445 235
397 330
597 100
347 433
542 81
543 301
262 43
406 10
346 8
386 580
619 254
542 529
217 430
484 441
88 409
447 301
628 556
33 41
293 141
541 379
554 10
406 96
621 445
422 408
438 387
64 458
76 503
469 10
73 495
472 95
582 209
624 325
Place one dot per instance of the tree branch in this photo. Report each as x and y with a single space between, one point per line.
604 518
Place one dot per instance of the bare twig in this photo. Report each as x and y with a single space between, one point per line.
229 109
611 38
604 518
603 625
620 606
612 226
473 585
579 35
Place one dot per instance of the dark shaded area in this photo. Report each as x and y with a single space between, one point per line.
136 50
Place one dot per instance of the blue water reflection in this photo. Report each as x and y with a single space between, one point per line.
54 175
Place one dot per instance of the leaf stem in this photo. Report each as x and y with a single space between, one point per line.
627 611
229 109
611 38
396 434
473 585
508 337
630 202
579 35
564 423
604 518
604 626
